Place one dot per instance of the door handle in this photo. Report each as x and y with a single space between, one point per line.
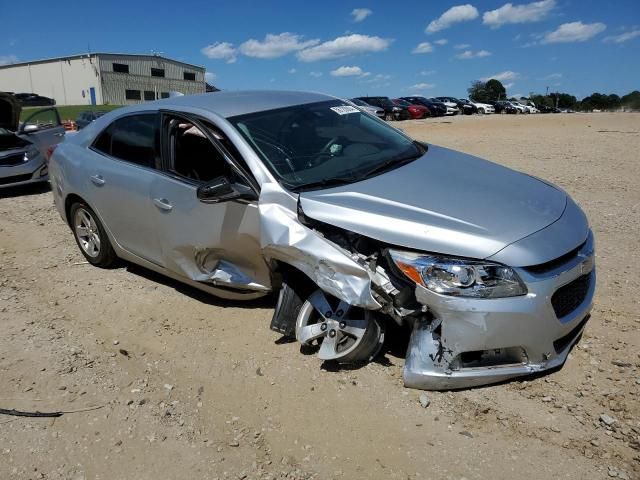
58 134
163 204
98 180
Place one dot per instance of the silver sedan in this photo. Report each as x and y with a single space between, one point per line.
356 225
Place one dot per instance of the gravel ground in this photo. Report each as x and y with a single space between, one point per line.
188 386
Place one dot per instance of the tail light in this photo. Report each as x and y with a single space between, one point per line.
50 151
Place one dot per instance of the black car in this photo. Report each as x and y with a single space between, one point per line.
391 111
85 118
503 106
34 100
437 109
546 109
465 108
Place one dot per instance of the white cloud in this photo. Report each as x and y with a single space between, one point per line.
426 73
442 41
507 86
509 13
315 74
424 47
502 76
8 59
274 46
344 46
359 14
574 32
552 76
461 46
220 51
422 86
469 54
209 77
349 72
292 70
459 13
623 37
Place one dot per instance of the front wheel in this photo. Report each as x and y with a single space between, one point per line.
341 332
388 117
481 111
91 236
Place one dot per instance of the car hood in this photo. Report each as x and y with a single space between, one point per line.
10 109
445 202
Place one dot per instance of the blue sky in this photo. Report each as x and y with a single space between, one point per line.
353 48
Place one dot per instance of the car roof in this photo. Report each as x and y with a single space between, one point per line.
231 103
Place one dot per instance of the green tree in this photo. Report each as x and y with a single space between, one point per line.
478 92
495 90
631 100
490 91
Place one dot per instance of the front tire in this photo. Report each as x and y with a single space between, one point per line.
388 117
90 236
343 333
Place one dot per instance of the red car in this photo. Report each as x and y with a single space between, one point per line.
416 111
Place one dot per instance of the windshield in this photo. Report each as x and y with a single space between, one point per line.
325 143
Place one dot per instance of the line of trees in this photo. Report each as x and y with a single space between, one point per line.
492 90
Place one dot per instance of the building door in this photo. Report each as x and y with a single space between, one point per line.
92 94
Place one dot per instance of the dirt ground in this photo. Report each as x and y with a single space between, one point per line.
188 386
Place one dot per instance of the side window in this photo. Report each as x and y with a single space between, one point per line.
132 139
43 119
193 156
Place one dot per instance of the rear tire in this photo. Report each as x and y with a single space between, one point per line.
91 236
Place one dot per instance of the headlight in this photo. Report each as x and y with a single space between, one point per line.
459 277
30 154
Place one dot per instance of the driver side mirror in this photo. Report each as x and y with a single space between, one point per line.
30 128
221 189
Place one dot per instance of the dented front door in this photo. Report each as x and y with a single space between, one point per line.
218 244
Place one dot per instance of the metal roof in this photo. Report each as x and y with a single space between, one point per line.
97 54
231 103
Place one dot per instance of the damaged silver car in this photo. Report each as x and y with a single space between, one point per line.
358 226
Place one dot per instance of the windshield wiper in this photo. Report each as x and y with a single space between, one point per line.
327 182
396 161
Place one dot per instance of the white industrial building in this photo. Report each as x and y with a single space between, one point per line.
103 78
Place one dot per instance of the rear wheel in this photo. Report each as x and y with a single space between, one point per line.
91 236
341 332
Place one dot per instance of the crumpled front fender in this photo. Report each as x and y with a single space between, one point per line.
284 238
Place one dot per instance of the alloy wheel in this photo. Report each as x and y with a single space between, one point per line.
86 230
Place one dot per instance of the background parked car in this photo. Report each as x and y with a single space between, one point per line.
452 107
520 107
24 147
391 111
34 100
436 109
502 106
547 109
370 109
467 107
85 118
481 108
416 111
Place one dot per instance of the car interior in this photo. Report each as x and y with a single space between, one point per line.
194 156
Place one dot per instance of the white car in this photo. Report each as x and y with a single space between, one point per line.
452 108
521 107
482 107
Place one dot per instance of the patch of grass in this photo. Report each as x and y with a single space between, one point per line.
69 112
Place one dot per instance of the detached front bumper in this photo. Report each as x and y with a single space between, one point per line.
471 342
